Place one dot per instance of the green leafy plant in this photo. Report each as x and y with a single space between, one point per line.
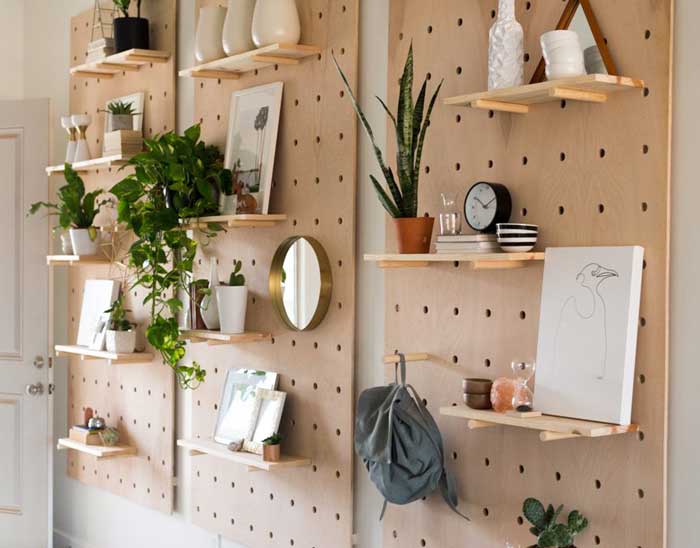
121 108
123 6
549 533
117 319
236 279
229 177
274 439
74 207
176 177
411 127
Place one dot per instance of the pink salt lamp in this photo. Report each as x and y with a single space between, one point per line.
502 393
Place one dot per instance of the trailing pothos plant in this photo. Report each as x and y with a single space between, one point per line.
175 179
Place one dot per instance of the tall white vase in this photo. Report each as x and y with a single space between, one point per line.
276 21
237 36
209 308
506 48
208 46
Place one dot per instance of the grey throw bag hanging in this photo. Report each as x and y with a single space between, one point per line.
400 444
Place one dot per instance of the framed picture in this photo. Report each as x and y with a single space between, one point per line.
252 140
269 406
137 101
588 332
98 296
98 340
239 408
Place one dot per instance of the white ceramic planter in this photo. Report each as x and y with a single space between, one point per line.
237 34
208 45
121 342
276 21
120 121
233 302
83 244
66 244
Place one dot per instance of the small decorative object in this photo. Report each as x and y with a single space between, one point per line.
236 37
271 448
98 296
252 142
82 151
88 413
124 114
506 55
587 342
228 200
120 116
82 434
478 401
477 393
401 202
121 333
208 46
235 446
467 243
594 61
198 290
276 21
522 396
233 302
269 406
109 436
549 533
130 32
486 205
517 237
209 307
100 333
67 124
450 216
96 423
562 54
502 394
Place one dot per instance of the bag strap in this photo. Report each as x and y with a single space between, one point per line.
401 364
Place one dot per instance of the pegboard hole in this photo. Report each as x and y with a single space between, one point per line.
486 512
596 539
557 476
430 29
455 359
521 469
647 34
487 362
524 212
459 71
598 484
642 379
646 92
490 164
643 322
640 493
493 14
488 313
487 462
645 149
523 315
491 114
562 156
422 542
561 210
425 310
645 207
455 311
528 5
526 57
601 208
602 153
524 160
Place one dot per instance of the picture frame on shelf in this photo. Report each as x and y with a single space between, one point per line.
98 296
253 126
100 332
269 407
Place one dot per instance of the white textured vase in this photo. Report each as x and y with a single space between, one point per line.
208 46
121 342
233 302
237 35
506 48
276 21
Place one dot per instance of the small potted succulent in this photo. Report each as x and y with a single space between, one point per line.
76 212
233 301
130 32
272 448
120 116
121 333
549 533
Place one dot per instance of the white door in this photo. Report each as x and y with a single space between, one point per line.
24 311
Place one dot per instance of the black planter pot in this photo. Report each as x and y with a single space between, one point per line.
130 33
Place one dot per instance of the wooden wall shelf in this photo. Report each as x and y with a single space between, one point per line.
420 357
125 61
551 428
479 261
231 68
253 462
71 260
92 165
111 357
237 221
97 451
214 338
591 88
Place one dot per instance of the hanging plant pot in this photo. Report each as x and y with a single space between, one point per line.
130 33
414 234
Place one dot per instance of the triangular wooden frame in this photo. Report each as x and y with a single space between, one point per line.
566 17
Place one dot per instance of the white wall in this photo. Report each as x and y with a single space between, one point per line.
12 48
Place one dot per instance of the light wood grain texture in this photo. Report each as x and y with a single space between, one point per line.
478 261
111 357
125 61
393 358
238 221
503 106
198 447
96 451
218 338
117 160
71 260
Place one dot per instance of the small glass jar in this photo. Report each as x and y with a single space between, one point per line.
523 398
450 216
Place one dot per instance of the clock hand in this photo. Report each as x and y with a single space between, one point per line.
477 199
487 205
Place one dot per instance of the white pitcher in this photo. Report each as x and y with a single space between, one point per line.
209 307
276 21
210 27
237 35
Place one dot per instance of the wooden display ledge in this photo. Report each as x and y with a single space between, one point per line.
70 260
253 462
591 88
92 165
237 221
97 451
551 428
218 338
125 61
479 261
231 68
113 358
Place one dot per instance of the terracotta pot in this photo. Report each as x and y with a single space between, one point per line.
414 234
271 453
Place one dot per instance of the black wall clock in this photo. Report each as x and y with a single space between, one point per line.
486 205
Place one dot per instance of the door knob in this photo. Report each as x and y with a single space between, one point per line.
35 389
39 362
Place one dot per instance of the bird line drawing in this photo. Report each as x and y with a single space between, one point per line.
581 339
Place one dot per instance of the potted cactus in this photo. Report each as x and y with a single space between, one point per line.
233 301
549 533
121 333
272 448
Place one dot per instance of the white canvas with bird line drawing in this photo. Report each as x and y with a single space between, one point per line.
587 340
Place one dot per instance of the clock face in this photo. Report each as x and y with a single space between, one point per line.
480 206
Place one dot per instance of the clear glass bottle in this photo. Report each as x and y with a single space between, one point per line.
450 216
523 398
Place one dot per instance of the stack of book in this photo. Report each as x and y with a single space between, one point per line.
467 243
122 142
99 49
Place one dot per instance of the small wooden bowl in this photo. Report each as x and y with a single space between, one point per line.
478 401
477 386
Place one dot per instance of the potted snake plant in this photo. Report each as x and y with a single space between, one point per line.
411 124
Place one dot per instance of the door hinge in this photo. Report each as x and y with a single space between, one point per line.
52 387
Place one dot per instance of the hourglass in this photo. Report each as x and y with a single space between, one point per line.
522 396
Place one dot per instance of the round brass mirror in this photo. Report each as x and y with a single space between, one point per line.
301 282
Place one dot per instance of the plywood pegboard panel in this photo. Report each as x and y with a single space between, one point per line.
588 175
137 398
314 185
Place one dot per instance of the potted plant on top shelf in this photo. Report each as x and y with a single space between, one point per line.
76 212
549 533
411 126
130 32
121 333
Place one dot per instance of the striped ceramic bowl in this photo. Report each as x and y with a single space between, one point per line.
516 237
